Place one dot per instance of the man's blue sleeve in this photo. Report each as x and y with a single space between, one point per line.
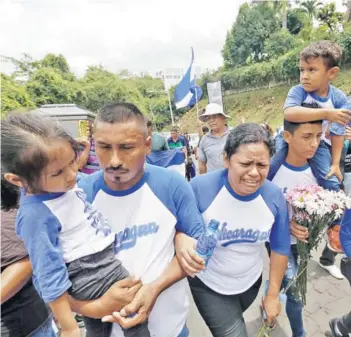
340 101
345 233
39 230
189 220
296 96
280 233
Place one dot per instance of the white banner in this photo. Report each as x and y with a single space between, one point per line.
214 90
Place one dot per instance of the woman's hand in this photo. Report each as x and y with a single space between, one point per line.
71 333
300 232
272 308
187 257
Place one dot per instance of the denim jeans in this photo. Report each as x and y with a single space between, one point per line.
45 330
184 332
294 305
320 162
223 314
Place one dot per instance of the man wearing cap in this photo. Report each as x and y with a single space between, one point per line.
210 151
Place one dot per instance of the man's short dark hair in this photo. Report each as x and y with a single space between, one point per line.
291 127
329 51
174 129
121 112
149 123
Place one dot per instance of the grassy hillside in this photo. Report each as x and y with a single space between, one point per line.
258 106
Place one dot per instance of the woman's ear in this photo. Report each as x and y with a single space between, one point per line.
14 179
225 160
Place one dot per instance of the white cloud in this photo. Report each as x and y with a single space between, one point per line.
134 34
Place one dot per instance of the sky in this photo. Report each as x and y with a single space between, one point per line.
138 35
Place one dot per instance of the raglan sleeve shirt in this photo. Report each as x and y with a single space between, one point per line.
280 233
39 229
189 220
340 101
296 96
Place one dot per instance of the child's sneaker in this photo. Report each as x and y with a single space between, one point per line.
334 239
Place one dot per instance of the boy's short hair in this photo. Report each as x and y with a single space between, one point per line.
291 127
174 129
329 51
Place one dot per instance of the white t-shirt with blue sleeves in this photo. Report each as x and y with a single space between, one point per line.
289 176
58 228
336 99
145 219
246 223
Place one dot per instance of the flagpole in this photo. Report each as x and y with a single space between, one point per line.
197 104
170 106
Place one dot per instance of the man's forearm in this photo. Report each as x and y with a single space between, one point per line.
299 114
89 308
337 143
14 277
172 274
278 265
202 167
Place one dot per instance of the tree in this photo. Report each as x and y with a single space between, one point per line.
247 36
311 7
13 95
329 16
47 86
280 43
295 21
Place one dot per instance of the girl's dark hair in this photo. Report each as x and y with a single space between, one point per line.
246 133
9 195
24 140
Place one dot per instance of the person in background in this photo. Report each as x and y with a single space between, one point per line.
176 141
23 312
341 327
159 142
91 164
210 151
203 131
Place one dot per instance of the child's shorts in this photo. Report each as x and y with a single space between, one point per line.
93 275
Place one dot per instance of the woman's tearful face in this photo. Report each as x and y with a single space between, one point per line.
248 168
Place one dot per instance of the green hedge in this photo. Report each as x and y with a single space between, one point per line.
280 69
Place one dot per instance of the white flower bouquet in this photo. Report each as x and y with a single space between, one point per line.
316 209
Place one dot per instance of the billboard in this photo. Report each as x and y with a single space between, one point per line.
214 91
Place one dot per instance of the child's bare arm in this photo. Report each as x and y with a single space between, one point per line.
64 315
299 114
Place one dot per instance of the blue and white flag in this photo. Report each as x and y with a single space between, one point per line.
187 93
171 159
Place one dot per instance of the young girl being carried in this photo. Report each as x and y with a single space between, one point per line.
69 242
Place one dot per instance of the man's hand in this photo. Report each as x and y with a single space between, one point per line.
187 257
119 295
340 116
300 232
335 170
137 311
272 307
